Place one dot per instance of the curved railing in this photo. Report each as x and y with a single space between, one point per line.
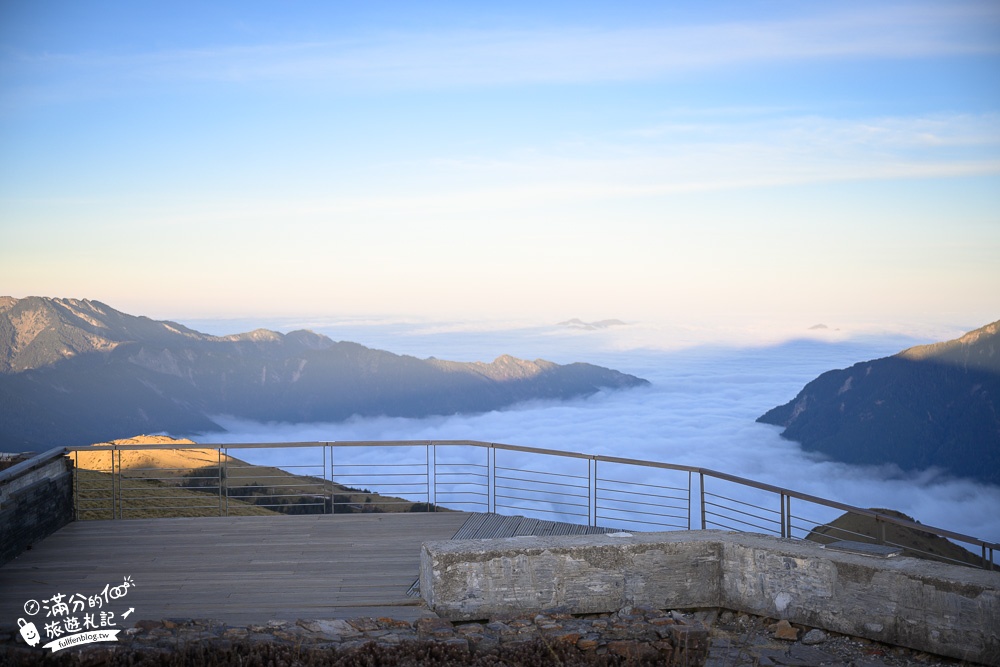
468 475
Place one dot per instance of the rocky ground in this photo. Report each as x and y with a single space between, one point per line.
740 640
629 637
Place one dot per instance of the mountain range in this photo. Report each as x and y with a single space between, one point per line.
930 406
74 372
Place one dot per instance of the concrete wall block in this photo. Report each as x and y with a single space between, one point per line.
939 611
474 585
476 579
773 583
944 609
670 574
35 503
50 470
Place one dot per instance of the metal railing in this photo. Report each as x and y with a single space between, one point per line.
467 475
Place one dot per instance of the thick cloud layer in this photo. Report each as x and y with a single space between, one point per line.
699 411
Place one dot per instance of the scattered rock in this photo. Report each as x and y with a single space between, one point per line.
429 626
785 631
741 640
364 624
335 629
807 656
147 624
814 636
470 629
564 637
633 650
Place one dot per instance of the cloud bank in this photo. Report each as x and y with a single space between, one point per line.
699 411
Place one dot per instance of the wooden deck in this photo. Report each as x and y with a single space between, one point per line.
240 570
245 570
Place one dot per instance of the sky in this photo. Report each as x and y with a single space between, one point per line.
648 161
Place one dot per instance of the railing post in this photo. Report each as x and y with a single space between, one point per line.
592 491
329 487
784 517
218 471
689 500
701 492
431 474
76 485
491 479
788 515
116 484
225 477
333 448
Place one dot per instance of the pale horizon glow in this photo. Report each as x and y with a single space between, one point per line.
744 163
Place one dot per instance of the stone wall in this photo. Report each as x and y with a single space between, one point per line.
36 499
943 609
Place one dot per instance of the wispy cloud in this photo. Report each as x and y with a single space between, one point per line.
685 155
694 154
565 54
590 54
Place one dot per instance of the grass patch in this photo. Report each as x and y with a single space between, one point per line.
148 499
194 482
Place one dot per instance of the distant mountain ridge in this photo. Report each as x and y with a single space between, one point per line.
78 371
928 406
577 323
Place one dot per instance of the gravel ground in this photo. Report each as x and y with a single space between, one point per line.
740 640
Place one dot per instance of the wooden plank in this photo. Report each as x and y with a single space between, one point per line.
488 526
471 526
527 527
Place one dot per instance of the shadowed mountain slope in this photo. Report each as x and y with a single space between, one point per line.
76 371
929 406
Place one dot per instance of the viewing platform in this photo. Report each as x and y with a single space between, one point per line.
251 570
239 570
370 562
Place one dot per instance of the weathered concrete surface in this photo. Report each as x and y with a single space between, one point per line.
478 579
36 500
943 609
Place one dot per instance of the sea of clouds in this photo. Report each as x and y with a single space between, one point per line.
699 409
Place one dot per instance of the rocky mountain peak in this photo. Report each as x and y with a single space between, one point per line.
929 406
76 372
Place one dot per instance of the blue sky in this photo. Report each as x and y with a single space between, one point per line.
799 162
